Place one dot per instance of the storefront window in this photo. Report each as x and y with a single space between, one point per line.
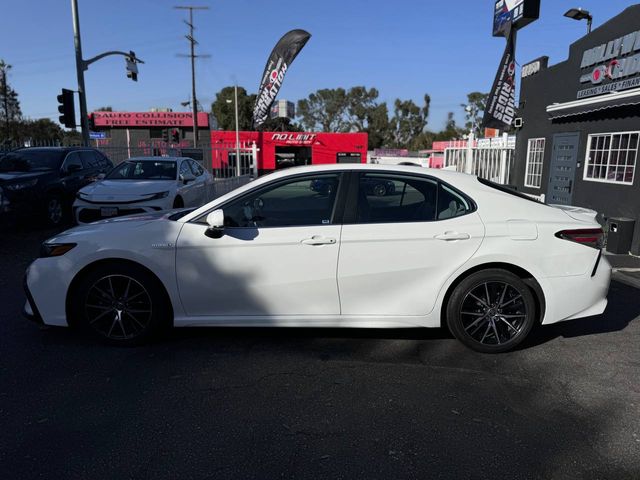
535 159
611 157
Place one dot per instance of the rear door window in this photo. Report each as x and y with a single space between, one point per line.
397 198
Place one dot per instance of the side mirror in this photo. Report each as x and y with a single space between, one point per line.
215 220
187 177
101 176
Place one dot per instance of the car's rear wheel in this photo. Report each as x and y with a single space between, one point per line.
491 311
120 304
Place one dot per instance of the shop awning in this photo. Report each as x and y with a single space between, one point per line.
595 104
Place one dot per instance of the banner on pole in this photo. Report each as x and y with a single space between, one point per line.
501 104
279 61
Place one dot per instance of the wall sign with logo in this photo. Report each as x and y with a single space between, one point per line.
611 67
294 138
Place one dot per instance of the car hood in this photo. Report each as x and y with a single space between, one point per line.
11 177
125 189
129 222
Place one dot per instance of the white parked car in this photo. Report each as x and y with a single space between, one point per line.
143 185
443 248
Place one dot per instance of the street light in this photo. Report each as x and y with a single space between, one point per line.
580 14
235 101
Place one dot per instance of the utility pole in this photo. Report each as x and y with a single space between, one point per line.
80 68
235 92
82 65
5 94
193 56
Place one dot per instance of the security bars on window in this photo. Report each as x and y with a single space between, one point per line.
535 159
611 157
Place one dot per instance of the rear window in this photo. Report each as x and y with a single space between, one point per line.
509 190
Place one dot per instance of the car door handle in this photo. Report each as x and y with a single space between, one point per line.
318 240
452 236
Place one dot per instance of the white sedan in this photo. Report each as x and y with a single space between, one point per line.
443 248
144 185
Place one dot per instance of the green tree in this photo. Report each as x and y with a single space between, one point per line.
451 130
104 109
223 109
281 124
474 111
366 114
325 110
10 112
408 122
42 131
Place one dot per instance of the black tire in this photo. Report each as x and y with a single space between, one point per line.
120 304
491 311
178 203
54 210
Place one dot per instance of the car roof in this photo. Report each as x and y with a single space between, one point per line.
444 175
155 159
55 149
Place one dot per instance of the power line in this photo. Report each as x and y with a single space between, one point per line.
193 42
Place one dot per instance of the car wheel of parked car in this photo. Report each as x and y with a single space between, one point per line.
121 304
491 311
178 203
380 190
54 210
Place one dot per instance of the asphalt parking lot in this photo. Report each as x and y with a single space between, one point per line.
231 403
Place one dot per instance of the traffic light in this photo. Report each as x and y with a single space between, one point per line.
175 136
67 109
132 68
165 135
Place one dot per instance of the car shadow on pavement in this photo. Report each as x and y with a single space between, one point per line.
623 308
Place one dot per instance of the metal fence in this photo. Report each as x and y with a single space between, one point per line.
492 160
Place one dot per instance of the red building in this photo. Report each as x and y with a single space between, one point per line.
286 149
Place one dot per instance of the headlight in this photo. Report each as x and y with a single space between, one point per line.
158 196
55 249
22 185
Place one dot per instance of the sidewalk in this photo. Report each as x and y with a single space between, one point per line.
626 268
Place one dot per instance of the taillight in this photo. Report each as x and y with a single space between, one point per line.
591 237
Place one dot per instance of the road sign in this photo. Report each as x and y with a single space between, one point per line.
97 135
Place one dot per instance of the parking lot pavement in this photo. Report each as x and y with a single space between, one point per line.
231 403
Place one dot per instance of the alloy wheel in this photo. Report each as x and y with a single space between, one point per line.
54 210
118 307
493 313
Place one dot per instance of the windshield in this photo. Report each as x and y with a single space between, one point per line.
144 170
28 160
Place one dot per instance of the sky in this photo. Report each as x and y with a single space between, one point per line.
404 48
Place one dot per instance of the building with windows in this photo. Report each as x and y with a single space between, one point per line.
580 134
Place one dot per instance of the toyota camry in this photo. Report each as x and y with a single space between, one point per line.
440 249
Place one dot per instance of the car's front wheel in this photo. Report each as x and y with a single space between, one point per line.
491 311
121 304
54 210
